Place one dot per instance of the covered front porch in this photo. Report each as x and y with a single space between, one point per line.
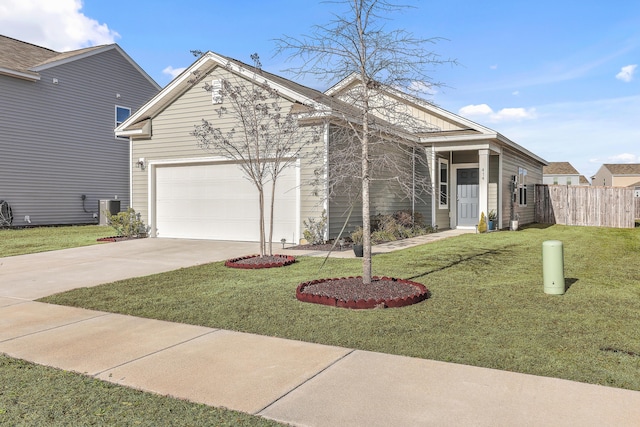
469 182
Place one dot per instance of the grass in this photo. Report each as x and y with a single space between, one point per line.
21 241
487 306
36 395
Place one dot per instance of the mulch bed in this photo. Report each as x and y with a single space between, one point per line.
350 292
115 239
256 261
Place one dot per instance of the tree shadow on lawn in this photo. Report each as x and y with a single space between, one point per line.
461 260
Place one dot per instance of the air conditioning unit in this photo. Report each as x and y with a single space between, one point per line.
105 207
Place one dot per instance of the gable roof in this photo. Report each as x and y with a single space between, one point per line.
25 60
469 130
302 95
623 168
559 168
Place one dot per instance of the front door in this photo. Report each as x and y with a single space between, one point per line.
468 184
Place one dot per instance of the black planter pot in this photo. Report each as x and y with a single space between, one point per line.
358 250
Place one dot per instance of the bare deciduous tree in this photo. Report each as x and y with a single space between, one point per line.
389 64
265 138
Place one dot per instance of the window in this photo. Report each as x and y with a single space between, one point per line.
555 180
522 187
568 180
443 168
122 114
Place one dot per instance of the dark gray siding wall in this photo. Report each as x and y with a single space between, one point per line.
57 141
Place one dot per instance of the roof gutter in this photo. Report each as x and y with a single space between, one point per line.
34 77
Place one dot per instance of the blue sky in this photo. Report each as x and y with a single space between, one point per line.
561 78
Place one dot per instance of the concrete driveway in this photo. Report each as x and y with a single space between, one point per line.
38 275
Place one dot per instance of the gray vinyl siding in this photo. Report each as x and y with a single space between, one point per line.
511 162
172 141
385 196
57 141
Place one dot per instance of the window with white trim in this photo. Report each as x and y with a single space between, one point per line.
443 170
522 187
122 114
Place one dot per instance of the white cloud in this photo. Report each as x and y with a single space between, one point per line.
475 110
173 72
624 158
506 114
515 93
59 25
626 73
493 67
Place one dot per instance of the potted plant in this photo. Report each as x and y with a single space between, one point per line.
493 219
356 238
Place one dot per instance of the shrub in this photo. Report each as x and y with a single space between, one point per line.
399 225
314 230
482 225
128 223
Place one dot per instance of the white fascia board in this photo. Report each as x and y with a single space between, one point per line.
457 138
520 148
341 84
19 74
173 88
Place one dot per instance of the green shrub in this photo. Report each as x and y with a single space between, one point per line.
397 226
128 223
314 230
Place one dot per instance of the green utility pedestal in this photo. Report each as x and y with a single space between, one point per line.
553 267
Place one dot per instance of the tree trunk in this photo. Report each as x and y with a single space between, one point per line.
262 234
273 202
366 223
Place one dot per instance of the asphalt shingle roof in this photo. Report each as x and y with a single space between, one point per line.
624 168
22 57
559 168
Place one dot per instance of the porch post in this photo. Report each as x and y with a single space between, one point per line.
483 191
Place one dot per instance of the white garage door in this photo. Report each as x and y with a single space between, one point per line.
215 201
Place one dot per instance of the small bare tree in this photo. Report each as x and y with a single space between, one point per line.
265 139
388 63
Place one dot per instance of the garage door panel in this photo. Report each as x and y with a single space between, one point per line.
215 201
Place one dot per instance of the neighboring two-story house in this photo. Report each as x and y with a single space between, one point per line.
562 173
618 175
58 152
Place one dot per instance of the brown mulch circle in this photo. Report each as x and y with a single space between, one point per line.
256 261
350 292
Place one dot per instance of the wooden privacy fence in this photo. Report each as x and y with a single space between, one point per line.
637 199
583 205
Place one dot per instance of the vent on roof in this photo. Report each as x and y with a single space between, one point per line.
216 92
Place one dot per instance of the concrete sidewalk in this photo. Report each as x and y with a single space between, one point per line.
289 381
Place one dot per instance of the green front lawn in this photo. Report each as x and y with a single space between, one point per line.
32 395
487 306
21 241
